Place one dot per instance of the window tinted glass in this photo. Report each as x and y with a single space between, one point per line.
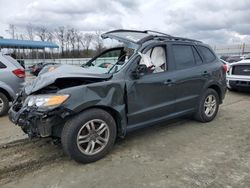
197 56
183 55
208 55
2 66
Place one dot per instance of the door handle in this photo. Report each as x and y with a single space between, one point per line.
168 82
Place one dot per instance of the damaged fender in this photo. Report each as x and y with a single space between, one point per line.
108 95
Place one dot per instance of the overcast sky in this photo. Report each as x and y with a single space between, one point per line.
212 21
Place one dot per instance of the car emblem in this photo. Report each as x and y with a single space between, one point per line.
246 70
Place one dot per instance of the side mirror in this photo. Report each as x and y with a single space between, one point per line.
140 70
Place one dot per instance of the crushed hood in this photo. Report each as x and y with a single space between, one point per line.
63 71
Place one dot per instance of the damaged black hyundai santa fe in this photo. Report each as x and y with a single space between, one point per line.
152 78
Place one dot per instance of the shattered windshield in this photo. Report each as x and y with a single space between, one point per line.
110 61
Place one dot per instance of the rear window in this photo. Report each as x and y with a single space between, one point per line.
207 54
183 55
2 66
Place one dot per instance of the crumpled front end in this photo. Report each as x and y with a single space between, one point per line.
37 122
46 103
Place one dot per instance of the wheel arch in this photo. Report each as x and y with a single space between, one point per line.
217 89
6 93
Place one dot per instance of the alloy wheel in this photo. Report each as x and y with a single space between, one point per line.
93 137
210 105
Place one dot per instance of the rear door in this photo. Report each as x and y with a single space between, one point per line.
189 78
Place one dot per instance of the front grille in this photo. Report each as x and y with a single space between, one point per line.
241 70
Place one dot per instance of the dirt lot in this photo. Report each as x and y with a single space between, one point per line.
183 153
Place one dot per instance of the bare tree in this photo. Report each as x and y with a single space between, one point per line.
41 32
12 31
98 42
60 35
72 38
87 39
67 41
30 31
79 39
49 36
22 36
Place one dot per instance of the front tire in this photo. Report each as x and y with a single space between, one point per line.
89 136
4 104
208 106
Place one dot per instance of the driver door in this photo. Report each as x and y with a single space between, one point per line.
151 98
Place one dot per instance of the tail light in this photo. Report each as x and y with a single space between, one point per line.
225 68
20 73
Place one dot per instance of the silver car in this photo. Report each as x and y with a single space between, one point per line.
238 77
12 77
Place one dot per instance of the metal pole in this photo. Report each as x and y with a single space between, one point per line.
243 49
36 54
44 55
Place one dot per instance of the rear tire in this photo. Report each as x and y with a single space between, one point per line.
4 104
89 136
208 106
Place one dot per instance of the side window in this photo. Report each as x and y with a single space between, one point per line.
2 66
155 59
208 55
183 55
197 56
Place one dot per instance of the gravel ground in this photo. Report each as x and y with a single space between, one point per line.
181 153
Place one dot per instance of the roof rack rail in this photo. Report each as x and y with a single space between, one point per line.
152 31
164 35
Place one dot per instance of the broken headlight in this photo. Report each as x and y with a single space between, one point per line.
49 101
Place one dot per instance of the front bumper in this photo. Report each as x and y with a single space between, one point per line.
39 123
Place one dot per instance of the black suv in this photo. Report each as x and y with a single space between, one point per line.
152 78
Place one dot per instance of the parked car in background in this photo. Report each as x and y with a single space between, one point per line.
238 77
247 56
224 57
36 68
235 58
12 77
21 62
154 77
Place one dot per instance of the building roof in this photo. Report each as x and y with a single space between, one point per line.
28 44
